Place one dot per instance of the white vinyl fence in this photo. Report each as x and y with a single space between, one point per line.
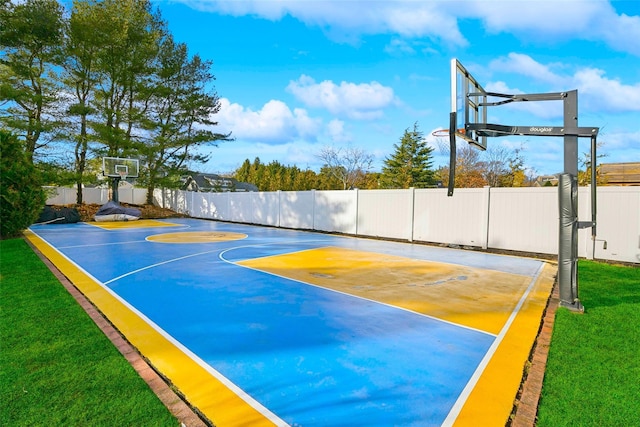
67 195
517 219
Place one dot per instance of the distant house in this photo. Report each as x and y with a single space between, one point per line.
212 183
620 173
546 181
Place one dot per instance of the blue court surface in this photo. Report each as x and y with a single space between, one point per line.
259 325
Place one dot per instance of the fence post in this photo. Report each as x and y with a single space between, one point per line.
313 209
413 211
357 190
279 208
486 206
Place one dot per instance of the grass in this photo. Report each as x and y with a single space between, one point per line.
57 367
593 371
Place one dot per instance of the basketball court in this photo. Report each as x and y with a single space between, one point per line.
266 326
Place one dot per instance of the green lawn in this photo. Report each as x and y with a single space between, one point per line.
56 366
593 371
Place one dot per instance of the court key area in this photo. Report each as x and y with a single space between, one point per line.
266 326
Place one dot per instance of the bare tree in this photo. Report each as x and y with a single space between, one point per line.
346 164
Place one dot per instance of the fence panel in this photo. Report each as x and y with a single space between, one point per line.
524 219
385 213
336 211
459 220
618 218
296 209
266 208
199 205
219 206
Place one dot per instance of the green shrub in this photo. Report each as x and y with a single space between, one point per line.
21 194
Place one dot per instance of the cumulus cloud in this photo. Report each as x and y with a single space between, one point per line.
274 123
595 20
336 131
596 90
364 101
560 19
352 19
526 66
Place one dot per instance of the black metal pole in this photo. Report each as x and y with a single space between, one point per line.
452 153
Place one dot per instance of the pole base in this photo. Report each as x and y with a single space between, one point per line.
575 306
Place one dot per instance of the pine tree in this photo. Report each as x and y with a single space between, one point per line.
411 164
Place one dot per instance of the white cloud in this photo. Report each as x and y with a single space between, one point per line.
525 65
364 101
596 91
351 19
274 123
559 19
336 131
595 20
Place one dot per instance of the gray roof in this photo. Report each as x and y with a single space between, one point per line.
211 182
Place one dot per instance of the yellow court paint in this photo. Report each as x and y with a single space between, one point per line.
492 398
473 297
140 223
197 237
478 298
201 388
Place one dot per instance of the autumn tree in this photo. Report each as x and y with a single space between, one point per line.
584 174
411 163
348 165
503 167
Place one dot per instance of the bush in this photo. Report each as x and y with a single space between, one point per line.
21 194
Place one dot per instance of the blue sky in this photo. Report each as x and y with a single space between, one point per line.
295 76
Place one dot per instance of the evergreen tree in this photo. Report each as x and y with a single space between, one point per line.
411 163
21 195
31 34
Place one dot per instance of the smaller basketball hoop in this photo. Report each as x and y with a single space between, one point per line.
123 175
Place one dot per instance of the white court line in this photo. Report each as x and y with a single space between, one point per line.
464 395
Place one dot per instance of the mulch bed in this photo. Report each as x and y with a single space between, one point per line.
87 211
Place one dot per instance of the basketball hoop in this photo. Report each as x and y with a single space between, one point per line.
123 175
444 133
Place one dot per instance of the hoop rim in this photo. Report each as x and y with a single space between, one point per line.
444 133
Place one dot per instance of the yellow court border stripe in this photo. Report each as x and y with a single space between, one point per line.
491 399
139 223
210 394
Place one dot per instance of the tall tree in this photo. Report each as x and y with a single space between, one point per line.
411 163
124 65
31 34
503 167
178 115
83 43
